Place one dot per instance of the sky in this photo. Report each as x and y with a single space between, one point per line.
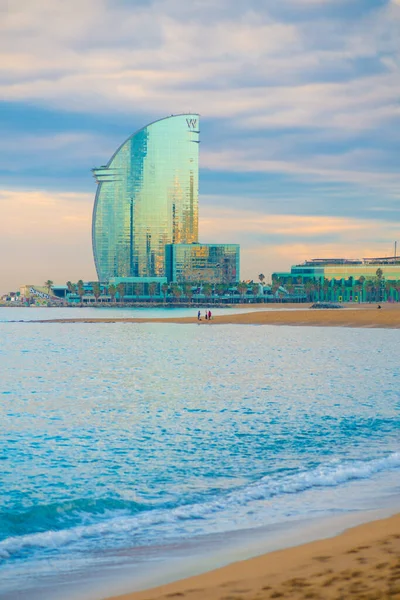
300 123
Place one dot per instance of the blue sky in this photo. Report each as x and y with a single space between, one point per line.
300 122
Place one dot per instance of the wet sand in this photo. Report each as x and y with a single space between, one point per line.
362 563
364 315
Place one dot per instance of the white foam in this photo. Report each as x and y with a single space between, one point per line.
128 528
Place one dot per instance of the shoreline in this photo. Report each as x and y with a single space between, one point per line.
362 562
360 317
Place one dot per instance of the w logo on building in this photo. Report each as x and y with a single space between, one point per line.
191 123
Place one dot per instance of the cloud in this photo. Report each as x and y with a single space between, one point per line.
328 168
160 54
299 105
47 149
275 242
44 236
235 222
48 235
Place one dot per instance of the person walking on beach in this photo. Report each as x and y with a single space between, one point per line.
206 315
209 315
199 316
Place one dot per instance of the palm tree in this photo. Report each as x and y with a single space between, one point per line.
152 289
255 289
135 289
377 288
207 289
242 289
164 289
276 279
370 288
388 288
71 287
343 289
49 284
325 288
221 288
187 290
397 288
96 290
261 277
81 290
379 284
309 289
176 291
336 287
112 290
361 281
121 291
289 287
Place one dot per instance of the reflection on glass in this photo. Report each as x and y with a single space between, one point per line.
215 263
147 197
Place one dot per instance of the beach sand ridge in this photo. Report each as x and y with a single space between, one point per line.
363 563
365 316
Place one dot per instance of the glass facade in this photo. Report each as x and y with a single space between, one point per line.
147 197
214 263
342 271
139 286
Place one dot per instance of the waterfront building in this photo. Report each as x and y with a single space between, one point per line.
345 280
136 287
41 292
342 268
147 197
212 263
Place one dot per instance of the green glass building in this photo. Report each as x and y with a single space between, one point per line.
212 263
147 197
342 268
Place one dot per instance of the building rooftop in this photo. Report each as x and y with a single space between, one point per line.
387 260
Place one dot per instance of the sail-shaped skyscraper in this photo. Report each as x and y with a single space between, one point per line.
147 197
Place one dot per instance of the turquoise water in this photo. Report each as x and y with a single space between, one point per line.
127 438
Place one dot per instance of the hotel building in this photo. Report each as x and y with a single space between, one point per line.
147 200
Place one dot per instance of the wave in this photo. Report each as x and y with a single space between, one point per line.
120 522
60 515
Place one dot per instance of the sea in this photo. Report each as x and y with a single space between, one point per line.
132 454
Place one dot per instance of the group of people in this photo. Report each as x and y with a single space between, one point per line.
207 315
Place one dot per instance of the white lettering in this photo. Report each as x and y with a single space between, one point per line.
39 294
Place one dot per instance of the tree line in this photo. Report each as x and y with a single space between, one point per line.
374 289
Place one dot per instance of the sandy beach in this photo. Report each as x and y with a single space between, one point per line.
361 563
363 315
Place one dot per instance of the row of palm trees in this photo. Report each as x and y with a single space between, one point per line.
97 290
375 289
175 291
309 289
186 289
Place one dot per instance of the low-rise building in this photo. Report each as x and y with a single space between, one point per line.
345 280
342 268
135 287
211 263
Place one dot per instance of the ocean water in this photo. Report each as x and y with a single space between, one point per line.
138 444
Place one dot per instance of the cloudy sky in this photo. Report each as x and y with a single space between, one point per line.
300 129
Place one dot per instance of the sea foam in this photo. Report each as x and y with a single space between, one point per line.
126 520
